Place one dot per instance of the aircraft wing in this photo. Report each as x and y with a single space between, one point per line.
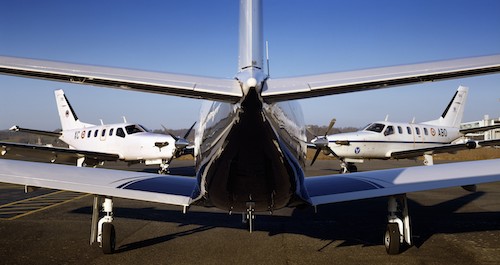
16 128
447 148
170 189
371 184
360 80
145 81
53 154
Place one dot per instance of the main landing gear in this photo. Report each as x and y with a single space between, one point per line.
164 169
103 231
398 229
348 167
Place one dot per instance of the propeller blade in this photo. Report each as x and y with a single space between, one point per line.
169 133
330 126
189 131
308 129
315 156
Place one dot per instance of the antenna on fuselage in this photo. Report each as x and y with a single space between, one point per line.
102 123
386 117
124 119
267 57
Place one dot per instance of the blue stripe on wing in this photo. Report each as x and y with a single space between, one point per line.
183 186
319 186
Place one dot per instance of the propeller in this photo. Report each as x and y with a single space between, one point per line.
180 142
321 143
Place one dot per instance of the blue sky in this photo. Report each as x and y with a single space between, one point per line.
201 38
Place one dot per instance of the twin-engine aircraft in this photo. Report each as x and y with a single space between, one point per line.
391 140
250 144
92 145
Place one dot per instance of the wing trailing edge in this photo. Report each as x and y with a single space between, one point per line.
361 80
191 86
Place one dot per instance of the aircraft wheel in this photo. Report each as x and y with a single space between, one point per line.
108 238
353 168
391 239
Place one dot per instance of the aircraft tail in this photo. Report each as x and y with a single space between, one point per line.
68 117
452 115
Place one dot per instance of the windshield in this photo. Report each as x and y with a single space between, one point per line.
131 129
375 127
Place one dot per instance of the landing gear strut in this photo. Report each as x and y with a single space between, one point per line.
103 231
164 168
398 229
249 217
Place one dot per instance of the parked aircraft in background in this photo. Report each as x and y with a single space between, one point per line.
391 140
91 145
250 145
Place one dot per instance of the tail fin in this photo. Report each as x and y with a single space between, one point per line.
452 115
68 117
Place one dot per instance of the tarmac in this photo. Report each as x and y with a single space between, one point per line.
450 226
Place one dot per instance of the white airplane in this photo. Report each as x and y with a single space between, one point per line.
91 145
250 145
386 140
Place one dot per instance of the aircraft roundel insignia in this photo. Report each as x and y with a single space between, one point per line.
433 132
357 150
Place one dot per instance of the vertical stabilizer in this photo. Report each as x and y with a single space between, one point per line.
67 115
250 39
452 115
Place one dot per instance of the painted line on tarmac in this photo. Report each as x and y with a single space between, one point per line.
18 209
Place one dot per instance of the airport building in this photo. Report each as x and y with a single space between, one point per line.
486 135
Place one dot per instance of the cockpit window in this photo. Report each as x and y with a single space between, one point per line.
135 128
375 127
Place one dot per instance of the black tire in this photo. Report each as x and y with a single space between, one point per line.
352 168
391 239
108 238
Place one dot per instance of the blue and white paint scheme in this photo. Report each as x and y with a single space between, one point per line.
397 140
250 142
92 145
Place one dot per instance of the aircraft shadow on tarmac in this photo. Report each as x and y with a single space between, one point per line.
345 224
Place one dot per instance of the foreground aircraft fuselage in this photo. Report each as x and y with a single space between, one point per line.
250 151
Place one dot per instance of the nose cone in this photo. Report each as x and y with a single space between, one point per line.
320 142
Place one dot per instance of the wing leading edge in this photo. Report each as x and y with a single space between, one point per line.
364 185
175 190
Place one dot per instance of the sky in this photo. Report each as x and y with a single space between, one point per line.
201 38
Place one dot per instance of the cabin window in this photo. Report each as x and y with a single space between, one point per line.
389 130
426 132
103 133
400 130
417 130
89 133
120 132
408 129
375 127
96 132
111 132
